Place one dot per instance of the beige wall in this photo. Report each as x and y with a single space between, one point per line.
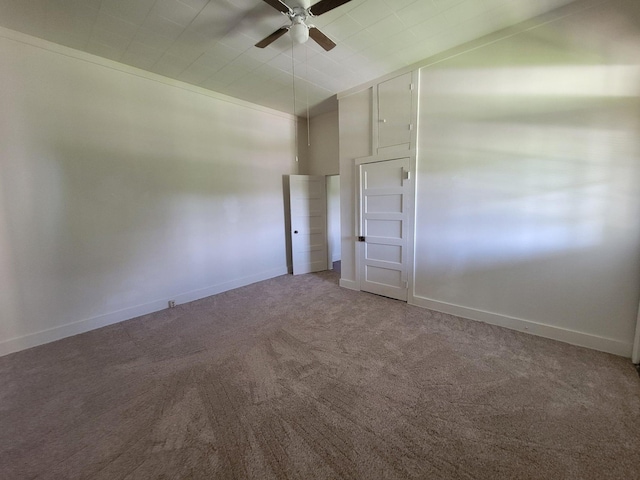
120 190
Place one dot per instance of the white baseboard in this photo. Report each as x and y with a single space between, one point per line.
573 337
350 284
81 326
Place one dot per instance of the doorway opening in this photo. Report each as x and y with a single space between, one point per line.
333 222
313 221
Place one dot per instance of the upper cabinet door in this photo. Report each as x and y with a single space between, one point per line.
394 111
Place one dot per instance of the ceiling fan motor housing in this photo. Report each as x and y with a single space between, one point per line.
299 29
299 32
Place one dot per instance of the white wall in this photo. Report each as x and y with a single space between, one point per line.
302 146
355 116
120 190
323 153
528 180
529 189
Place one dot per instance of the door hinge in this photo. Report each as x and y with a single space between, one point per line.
411 126
411 87
406 175
406 284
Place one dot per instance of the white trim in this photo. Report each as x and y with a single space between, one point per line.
382 157
635 355
330 244
572 337
81 326
375 119
413 168
128 69
349 284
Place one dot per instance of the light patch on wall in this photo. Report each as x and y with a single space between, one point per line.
516 192
528 191
525 170
565 81
519 229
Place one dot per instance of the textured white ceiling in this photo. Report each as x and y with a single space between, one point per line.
210 43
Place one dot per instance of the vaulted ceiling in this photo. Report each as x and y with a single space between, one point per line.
210 43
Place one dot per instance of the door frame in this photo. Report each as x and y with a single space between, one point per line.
635 355
330 243
411 214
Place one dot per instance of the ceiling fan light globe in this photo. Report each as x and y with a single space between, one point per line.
299 33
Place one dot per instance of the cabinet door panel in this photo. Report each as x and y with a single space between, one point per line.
394 111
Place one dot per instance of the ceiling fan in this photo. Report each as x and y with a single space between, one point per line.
299 29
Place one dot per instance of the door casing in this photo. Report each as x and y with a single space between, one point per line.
635 356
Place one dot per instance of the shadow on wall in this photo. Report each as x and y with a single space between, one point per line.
112 199
106 231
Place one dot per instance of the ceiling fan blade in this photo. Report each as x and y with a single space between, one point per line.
272 38
321 39
323 6
278 5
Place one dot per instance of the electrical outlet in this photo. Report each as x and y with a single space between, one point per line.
172 303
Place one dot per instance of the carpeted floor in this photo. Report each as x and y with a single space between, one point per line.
296 378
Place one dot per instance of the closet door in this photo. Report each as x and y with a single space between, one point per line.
395 100
385 189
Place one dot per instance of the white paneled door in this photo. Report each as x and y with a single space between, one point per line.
384 197
308 196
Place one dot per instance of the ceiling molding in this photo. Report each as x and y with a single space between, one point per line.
481 42
134 71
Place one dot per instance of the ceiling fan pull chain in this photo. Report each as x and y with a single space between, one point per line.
306 64
293 84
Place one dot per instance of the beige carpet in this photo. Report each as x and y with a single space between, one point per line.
297 378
